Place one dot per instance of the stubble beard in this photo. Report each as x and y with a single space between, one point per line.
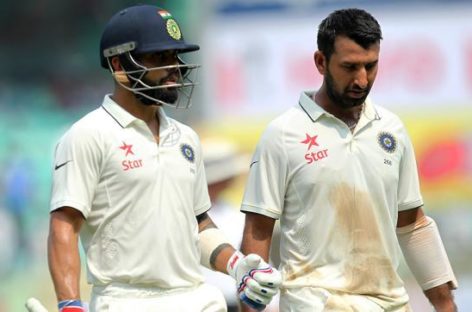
167 95
340 99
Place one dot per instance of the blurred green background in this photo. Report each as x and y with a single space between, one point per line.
254 65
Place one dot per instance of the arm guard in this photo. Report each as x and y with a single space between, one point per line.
209 240
425 254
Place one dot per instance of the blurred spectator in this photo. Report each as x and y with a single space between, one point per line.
8 245
18 192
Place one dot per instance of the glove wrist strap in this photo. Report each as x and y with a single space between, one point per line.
73 305
232 263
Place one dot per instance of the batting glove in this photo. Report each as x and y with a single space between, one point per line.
71 306
256 280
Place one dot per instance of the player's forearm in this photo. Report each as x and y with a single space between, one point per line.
257 238
441 298
257 235
215 248
258 247
220 257
64 264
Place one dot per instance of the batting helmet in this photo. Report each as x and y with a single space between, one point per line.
145 29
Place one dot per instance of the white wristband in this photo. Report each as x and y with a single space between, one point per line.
209 240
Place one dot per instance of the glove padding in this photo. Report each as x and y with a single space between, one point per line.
256 280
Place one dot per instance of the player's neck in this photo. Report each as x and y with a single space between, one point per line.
349 116
322 99
147 113
132 105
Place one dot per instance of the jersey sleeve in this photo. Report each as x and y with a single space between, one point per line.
76 171
409 195
267 179
201 196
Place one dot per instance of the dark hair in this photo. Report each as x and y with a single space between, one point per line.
356 24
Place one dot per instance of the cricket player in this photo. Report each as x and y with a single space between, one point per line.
340 174
130 182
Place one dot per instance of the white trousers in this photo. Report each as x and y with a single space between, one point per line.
311 299
126 298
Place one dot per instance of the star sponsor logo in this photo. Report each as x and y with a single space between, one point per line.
310 141
127 148
129 164
313 156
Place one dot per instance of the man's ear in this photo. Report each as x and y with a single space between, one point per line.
118 72
320 62
116 64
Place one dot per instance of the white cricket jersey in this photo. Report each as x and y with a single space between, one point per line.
337 195
139 198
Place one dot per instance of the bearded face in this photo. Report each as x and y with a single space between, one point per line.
346 97
158 78
167 95
349 72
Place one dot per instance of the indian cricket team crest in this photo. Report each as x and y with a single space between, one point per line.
171 25
387 141
173 29
188 152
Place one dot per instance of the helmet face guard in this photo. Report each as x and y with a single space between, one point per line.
143 29
132 78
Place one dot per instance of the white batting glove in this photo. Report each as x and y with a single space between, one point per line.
256 280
